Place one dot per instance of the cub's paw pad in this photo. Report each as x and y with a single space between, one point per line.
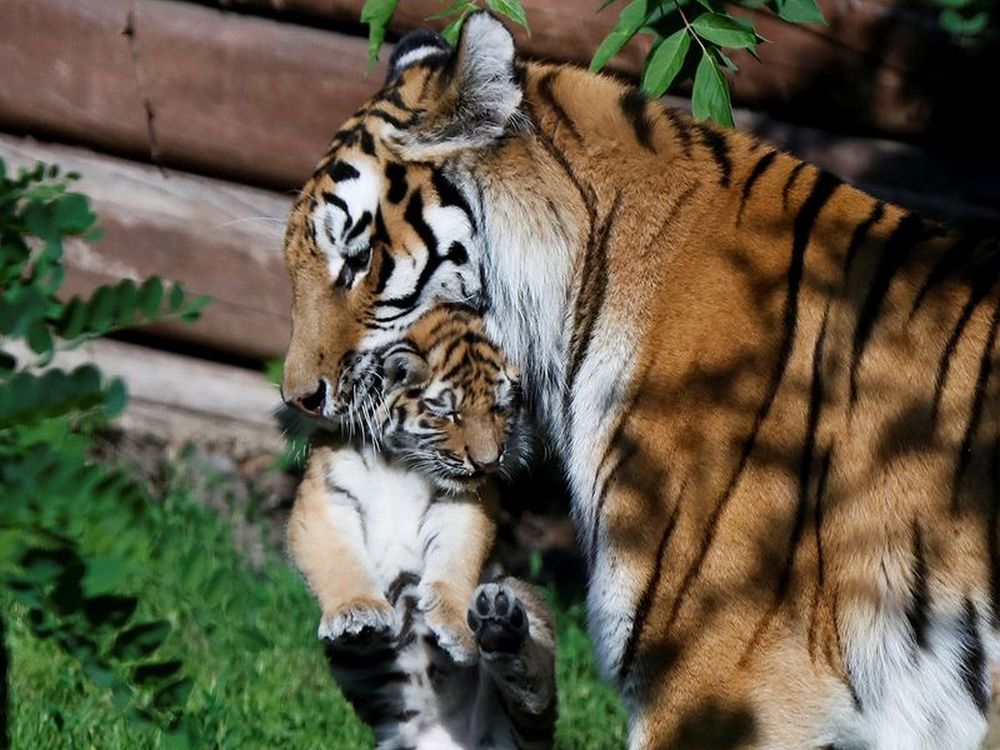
498 619
359 623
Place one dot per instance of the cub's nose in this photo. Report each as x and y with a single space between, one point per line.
485 464
308 403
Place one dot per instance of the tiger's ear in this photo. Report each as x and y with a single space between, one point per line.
479 100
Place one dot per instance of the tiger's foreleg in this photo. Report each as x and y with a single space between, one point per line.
326 541
514 634
457 535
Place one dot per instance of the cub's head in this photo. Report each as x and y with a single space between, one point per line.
389 224
452 403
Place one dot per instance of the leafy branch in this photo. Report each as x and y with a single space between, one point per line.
46 473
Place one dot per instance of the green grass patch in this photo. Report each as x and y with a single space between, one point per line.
248 641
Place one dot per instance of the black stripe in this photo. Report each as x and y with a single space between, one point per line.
396 174
984 280
992 543
450 195
824 473
341 171
402 581
859 237
976 413
392 119
549 98
758 170
918 610
823 188
895 253
624 455
362 225
367 142
633 103
591 296
682 127
414 216
339 203
718 144
787 189
338 489
385 269
956 256
973 668
806 462
816 397
648 595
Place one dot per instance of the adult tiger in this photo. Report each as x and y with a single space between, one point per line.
774 396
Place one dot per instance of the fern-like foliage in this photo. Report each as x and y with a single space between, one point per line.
47 419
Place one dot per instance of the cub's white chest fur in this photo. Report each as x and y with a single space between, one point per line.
392 502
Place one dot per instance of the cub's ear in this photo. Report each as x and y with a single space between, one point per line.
403 370
479 96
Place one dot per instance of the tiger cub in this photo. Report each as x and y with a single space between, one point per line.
393 544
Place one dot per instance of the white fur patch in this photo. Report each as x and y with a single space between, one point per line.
416 55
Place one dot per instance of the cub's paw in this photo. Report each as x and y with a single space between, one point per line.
443 615
359 621
498 619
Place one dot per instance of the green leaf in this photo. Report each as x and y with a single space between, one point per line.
151 296
377 14
456 7
720 29
175 297
710 99
955 23
631 19
140 641
116 397
512 9
72 214
452 30
799 11
665 62
39 338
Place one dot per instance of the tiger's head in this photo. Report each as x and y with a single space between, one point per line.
452 403
389 224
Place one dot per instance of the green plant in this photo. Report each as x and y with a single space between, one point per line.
673 24
966 18
48 423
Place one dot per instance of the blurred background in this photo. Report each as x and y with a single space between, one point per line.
192 124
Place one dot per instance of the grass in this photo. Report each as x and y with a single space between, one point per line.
248 640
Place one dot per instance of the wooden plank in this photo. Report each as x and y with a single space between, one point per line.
240 97
876 66
217 238
180 398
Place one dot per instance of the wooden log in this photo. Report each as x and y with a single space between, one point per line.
180 398
189 86
877 66
217 238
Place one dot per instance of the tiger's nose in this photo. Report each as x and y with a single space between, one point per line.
309 403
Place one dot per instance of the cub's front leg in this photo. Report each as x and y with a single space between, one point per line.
457 534
326 541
